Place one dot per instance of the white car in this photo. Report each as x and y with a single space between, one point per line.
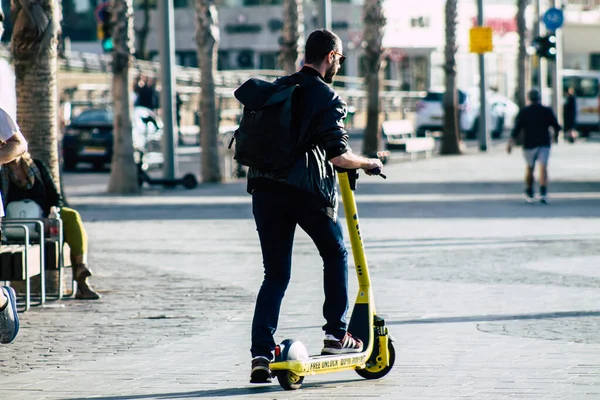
502 113
430 112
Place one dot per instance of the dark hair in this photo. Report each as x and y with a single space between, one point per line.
320 43
534 95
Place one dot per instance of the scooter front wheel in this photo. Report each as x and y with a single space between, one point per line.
288 380
379 369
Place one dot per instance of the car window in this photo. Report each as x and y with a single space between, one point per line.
96 116
434 96
439 96
584 86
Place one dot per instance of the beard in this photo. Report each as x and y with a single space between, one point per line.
329 74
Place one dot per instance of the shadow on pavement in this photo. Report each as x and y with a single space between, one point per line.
476 318
238 188
476 208
445 188
227 392
501 317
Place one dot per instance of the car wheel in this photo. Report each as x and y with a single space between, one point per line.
472 133
498 129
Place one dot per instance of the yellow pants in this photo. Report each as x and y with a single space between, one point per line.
74 232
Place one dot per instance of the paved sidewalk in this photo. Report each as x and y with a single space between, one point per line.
488 297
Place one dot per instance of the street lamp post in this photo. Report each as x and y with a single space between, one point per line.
483 129
166 39
325 14
557 83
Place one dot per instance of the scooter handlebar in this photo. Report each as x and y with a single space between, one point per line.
376 171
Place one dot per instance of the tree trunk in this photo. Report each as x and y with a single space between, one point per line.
292 40
374 23
207 40
142 34
34 49
522 58
123 174
451 134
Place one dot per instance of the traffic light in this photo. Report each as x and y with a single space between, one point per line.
107 41
546 46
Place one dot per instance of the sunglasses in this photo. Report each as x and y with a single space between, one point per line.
342 57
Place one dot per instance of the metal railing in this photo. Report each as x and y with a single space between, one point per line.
188 81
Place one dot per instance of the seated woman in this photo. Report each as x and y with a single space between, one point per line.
26 178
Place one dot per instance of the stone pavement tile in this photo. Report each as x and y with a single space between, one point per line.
472 317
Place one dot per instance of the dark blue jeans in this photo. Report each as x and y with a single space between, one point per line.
276 214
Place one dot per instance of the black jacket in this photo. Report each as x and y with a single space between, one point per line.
534 123
570 112
43 192
318 114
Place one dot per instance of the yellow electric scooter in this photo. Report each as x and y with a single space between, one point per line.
292 362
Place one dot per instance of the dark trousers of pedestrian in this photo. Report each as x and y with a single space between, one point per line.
277 213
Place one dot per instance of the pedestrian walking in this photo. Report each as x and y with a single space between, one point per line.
533 124
303 194
12 145
570 115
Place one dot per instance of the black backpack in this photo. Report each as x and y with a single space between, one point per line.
265 138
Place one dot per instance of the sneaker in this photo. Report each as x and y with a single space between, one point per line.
261 373
347 344
9 320
544 199
529 195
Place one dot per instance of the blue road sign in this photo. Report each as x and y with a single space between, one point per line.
553 18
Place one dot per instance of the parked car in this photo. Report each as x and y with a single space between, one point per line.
502 114
430 112
587 92
89 137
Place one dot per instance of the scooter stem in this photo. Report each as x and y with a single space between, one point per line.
358 252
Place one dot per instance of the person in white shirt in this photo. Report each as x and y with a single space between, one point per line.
12 145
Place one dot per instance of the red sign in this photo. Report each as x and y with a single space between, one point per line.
98 12
500 26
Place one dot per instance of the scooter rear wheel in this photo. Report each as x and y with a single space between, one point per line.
379 370
288 380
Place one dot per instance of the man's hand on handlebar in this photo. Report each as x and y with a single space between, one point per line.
374 166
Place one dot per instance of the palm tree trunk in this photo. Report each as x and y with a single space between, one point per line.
522 58
292 39
123 174
141 51
207 40
374 21
451 134
34 49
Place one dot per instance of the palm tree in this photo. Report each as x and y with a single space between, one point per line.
207 40
374 23
451 135
34 49
522 58
292 39
123 175
141 34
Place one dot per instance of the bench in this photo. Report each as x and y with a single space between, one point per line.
401 135
21 259
414 146
396 133
21 262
